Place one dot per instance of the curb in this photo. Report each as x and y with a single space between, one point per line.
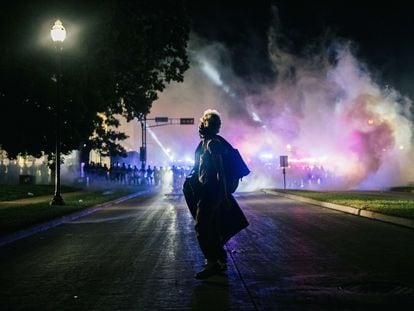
347 209
65 219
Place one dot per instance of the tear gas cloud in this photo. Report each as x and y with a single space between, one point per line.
339 128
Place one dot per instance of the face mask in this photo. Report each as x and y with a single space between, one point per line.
203 131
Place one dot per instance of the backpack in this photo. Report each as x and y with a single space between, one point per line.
234 166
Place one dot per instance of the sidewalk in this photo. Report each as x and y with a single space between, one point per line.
351 210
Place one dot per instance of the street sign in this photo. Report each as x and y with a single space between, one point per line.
186 120
283 165
284 161
161 119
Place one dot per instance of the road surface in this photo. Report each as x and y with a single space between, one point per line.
142 255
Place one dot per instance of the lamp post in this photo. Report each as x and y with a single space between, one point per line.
58 34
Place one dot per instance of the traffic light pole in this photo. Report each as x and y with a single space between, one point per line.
143 149
159 121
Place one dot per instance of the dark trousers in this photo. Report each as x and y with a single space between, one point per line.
208 223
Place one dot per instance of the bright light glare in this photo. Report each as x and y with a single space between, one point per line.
265 156
310 160
58 32
212 73
189 159
167 151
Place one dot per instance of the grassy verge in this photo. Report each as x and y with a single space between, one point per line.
17 216
375 202
15 192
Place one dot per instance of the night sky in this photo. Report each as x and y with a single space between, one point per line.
382 35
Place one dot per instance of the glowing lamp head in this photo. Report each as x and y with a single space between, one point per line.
58 32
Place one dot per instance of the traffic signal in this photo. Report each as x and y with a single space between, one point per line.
186 120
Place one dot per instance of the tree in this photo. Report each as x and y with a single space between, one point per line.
118 56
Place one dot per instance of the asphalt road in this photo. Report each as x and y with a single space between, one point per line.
143 254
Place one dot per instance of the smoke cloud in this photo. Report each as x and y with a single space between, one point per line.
324 111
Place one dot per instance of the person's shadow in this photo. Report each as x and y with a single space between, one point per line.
211 294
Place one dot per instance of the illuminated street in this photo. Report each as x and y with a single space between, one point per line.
143 254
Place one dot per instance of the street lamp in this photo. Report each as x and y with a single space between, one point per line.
58 34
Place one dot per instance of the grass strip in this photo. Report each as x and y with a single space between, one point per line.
21 216
385 204
15 192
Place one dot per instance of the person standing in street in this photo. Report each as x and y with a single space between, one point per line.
218 216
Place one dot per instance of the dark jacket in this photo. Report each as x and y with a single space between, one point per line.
231 218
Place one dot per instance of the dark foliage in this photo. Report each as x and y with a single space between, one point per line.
118 55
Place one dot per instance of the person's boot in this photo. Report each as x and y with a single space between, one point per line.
210 269
222 262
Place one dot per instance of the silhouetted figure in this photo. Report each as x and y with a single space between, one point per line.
217 214
142 179
176 179
150 177
157 176
135 174
129 175
122 173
